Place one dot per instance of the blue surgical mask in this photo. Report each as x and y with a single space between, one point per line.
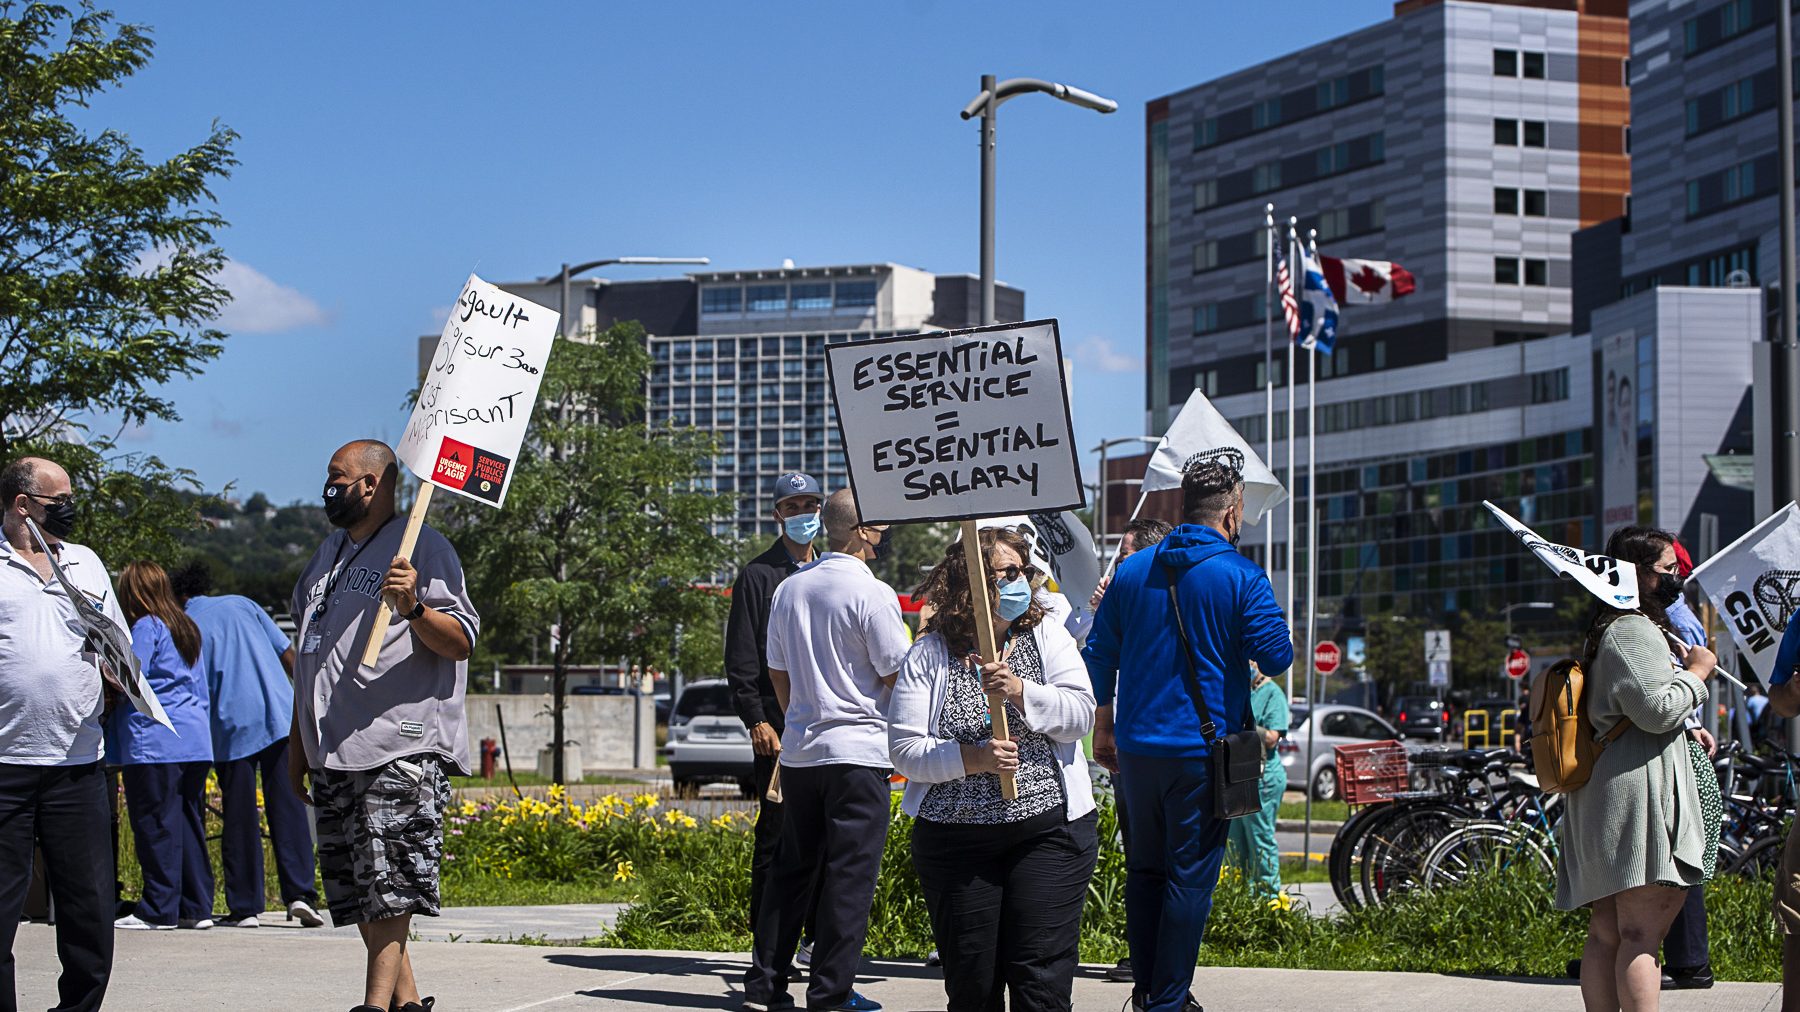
1015 599
802 529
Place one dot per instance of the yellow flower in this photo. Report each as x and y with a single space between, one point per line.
624 872
646 801
1281 901
557 791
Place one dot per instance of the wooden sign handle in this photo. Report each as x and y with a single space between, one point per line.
773 794
385 614
984 638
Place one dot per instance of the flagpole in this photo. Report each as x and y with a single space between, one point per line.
1269 298
1292 386
1312 490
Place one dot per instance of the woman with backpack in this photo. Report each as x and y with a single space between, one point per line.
1636 837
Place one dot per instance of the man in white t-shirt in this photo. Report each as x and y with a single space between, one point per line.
52 789
836 640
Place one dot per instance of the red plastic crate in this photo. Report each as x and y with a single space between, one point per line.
1372 772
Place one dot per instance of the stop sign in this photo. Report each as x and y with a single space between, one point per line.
1518 663
1326 657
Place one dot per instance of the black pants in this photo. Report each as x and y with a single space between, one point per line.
66 808
1005 905
768 845
240 848
835 826
1684 947
166 803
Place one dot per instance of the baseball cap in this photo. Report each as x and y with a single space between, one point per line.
794 483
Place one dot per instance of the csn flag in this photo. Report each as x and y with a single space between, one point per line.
1200 434
1060 546
1755 584
1613 582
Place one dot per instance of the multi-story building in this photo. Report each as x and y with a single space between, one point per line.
741 354
1466 141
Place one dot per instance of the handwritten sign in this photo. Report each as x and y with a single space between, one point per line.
957 425
476 400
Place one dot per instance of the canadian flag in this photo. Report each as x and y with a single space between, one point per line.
1366 281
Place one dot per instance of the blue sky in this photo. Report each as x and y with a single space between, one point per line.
388 149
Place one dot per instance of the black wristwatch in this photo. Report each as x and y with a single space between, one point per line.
417 610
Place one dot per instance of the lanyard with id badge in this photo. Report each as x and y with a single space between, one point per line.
313 637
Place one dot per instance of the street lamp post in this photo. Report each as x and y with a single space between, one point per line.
562 278
987 105
1528 606
1100 509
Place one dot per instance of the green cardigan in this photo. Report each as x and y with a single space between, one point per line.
1638 820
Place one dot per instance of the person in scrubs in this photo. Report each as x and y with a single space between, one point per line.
1252 838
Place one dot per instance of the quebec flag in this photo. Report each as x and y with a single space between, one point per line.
1318 308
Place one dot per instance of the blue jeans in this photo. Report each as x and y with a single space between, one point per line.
1171 869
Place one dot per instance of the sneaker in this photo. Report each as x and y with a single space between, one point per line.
1695 978
855 1003
933 959
302 911
195 923
1121 974
246 921
422 1005
132 922
803 955
775 1004
1136 1004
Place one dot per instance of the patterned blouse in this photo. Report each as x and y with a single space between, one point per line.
976 800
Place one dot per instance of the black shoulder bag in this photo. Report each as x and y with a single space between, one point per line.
1237 758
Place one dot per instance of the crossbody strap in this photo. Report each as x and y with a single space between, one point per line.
1209 730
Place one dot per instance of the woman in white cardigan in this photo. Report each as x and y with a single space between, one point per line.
1004 880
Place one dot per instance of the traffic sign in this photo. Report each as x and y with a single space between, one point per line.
1514 643
1440 674
1518 663
1437 646
1327 657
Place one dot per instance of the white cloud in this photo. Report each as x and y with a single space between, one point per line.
261 305
1098 353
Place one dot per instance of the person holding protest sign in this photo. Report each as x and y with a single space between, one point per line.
1634 838
164 769
248 662
1228 616
53 790
836 642
797 502
376 743
1004 879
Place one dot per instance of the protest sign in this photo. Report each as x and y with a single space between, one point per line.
1199 434
473 409
109 643
1613 582
476 398
957 425
1061 546
1755 584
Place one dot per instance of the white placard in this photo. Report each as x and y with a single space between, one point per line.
1755 584
958 425
476 400
1613 582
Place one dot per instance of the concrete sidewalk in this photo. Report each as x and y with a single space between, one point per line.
319 971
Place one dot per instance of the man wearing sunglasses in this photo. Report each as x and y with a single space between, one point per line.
52 789
836 640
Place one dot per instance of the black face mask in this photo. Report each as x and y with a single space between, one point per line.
341 508
59 518
1667 590
881 547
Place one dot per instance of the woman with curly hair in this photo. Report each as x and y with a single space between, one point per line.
1004 880
1637 836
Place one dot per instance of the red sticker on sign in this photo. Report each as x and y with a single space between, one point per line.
454 462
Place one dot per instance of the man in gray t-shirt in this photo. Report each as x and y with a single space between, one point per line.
375 741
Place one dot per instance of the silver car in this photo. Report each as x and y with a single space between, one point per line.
1338 725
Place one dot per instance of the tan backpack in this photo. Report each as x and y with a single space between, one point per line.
1563 745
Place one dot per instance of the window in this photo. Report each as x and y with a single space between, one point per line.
1537 272
1506 200
812 296
1266 177
1265 114
855 294
1289 107
1506 132
768 298
1506 63
1725 22
1532 65
1206 255
1537 203
1743 97
1534 132
1506 270
1206 318
1206 132
722 300
1738 184
1206 194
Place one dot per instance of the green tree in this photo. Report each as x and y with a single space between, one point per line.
1396 653
605 533
107 266
917 548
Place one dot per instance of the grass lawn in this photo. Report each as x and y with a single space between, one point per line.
531 779
1322 811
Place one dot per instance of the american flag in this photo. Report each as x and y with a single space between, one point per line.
1290 308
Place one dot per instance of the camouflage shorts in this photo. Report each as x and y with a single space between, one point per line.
381 838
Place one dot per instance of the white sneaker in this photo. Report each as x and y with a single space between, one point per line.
132 922
195 924
302 911
803 956
246 921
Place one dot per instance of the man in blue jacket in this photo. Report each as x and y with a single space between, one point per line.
1146 726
